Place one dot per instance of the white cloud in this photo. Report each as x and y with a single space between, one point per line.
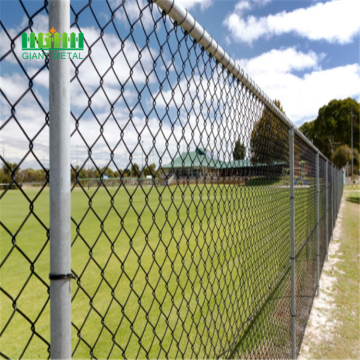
207 113
40 24
190 4
302 96
132 9
281 61
247 5
335 21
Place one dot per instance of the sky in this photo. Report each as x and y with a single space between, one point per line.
304 53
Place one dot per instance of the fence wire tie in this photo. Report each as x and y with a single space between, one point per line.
61 276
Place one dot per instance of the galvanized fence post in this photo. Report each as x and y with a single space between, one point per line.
334 196
326 210
334 179
339 193
60 190
336 193
332 200
292 246
317 229
336 200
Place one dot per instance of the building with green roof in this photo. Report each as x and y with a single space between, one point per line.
191 164
200 163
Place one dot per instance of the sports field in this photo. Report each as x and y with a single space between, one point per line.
163 272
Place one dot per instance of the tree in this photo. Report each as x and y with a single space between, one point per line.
135 170
126 173
27 175
9 169
332 127
107 171
307 129
91 173
41 175
239 152
269 140
150 170
8 172
342 155
117 173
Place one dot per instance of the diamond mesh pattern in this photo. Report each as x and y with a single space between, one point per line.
192 262
24 324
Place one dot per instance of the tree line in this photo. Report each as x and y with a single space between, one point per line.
29 175
269 140
133 171
330 132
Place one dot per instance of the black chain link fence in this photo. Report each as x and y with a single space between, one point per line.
305 234
188 258
322 211
24 230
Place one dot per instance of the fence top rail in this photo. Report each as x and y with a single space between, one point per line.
184 19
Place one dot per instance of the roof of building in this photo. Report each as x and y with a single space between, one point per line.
201 158
234 164
197 158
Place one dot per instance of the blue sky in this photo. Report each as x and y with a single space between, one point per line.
304 53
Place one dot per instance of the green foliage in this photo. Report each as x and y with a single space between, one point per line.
9 172
332 127
342 155
30 175
307 129
126 173
10 169
135 170
239 152
269 140
107 171
150 170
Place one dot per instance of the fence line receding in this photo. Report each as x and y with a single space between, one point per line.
200 216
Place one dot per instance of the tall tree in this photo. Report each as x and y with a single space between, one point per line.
342 155
332 127
135 170
239 152
307 129
107 171
269 142
126 173
150 170
8 172
9 168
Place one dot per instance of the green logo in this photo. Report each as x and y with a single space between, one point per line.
52 40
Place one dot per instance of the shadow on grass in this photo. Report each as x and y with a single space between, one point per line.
353 199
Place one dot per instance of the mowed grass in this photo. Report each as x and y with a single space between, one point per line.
162 272
345 343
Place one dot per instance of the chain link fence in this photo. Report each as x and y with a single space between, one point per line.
180 194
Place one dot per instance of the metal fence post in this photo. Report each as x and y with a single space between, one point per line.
335 190
60 190
332 200
326 210
336 203
317 228
292 245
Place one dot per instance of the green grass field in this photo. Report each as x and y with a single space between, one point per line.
164 272
345 342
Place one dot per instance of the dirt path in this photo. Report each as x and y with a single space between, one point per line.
328 323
